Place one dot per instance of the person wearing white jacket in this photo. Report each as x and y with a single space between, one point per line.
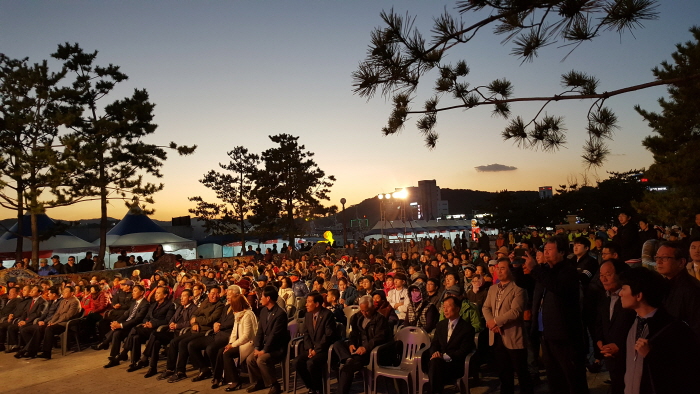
398 296
240 343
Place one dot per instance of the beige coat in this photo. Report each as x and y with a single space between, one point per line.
510 315
67 310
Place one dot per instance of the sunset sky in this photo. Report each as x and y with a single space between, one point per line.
229 73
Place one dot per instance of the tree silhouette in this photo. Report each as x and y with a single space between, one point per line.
399 57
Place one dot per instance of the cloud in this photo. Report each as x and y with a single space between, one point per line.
495 168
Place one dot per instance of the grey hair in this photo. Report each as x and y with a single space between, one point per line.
235 288
365 299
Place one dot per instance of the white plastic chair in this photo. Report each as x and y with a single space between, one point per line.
413 339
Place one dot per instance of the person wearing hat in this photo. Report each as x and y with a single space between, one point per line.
398 296
57 266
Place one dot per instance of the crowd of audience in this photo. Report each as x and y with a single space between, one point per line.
580 300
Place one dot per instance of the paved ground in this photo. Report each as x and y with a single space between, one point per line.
82 372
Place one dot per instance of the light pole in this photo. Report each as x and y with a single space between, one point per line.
402 195
345 229
382 214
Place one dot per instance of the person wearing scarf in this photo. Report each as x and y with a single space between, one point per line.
420 313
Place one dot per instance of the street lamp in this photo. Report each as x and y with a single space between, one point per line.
345 229
382 214
402 195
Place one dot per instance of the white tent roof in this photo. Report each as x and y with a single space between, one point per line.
137 229
63 242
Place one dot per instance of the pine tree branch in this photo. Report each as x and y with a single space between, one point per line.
603 95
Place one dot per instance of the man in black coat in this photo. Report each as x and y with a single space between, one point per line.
121 328
181 319
626 236
203 320
318 331
121 302
159 314
270 343
369 329
86 264
683 299
452 343
31 309
32 333
613 323
661 352
12 309
557 317
211 344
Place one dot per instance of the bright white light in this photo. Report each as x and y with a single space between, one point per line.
380 196
403 193
387 196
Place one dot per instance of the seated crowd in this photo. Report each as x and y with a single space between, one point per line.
578 307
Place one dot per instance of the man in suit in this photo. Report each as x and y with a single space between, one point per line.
202 320
270 343
661 351
8 311
121 327
452 343
503 312
181 319
33 333
369 329
159 314
318 331
33 307
556 316
67 310
613 323
211 344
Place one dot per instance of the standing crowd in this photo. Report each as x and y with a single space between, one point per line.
565 303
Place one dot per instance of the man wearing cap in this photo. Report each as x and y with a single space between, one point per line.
57 266
121 302
398 296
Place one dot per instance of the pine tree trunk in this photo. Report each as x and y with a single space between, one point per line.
103 226
35 237
20 224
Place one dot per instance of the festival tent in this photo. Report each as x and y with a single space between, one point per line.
61 242
138 235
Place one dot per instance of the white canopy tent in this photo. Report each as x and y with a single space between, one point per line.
138 235
61 243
